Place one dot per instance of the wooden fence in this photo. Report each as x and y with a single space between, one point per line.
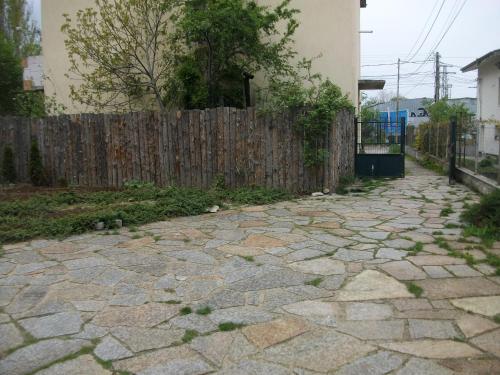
184 148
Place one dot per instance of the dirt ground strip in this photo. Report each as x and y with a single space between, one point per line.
313 286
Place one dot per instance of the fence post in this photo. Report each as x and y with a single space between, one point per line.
355 139
452 150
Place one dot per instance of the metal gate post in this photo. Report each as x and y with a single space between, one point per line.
452 150
403 142
355 142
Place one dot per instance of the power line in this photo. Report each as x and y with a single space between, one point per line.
389 64
430 30
423 29
451 24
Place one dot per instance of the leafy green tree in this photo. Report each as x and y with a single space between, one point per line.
36 104
18 26
442 111
8 169
222 40
11 76
122 53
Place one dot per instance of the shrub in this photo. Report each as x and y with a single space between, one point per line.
37 173
486 213
8 169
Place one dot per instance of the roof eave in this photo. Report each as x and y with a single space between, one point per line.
475 64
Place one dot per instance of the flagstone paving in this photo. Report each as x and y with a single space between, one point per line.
312 286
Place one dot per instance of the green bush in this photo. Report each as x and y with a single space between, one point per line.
486 163
8 169
486 213
37 172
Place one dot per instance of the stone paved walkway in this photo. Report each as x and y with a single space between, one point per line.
313 286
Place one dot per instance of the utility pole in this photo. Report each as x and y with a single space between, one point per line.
437 81
397 96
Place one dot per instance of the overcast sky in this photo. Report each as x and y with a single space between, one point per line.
402 25
397 26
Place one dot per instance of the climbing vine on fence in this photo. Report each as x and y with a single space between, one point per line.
315 99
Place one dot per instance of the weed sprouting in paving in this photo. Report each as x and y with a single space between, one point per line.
414 289
157 238
419 246
248 258
186 310
447 211
204 310
496 318
190 335
437 233
314 282
230 326
136 236
172 302
452 226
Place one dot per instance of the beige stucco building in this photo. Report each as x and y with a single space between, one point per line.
329 28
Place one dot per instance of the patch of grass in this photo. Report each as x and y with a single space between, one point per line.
452 226
83 351
496 318
230 326
64 214
204 310
488 235
494 261
437 233
136 236
414 289
248 258
115 233
185 310
314 282
459 339
442 243
419 246
157 238
447 211
190 335
172 302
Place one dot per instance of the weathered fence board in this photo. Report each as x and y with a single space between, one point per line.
182 148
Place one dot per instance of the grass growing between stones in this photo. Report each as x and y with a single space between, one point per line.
190 335
83 351
185 311
230 326
496 318
447 211
67 213
248 258
204 310
419 246
414 289
314 282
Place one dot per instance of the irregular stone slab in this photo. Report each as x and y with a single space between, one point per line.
262 241
140 339
373 330
320 350
90 262
60 324
214 347
462 270
376 235
26 299
349 255
194 322
252 367
83 365
270 280
370 285
332 240
433 329
229 235
376 364
472 325
323 313
468 366
10 337
110 350
489 306
304 254
433 349
417 366
333 282
367 311
412 304
268 334
320 266
456 288
144 316
243 251
167 360
437 272
193 256
23 269
399 243
403 270
42 353
435 260
489 342
388 253
241 315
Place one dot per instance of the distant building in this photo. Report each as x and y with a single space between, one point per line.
33 73
414 110
488 103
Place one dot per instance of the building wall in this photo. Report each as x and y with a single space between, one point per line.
33 73
327 27
489 90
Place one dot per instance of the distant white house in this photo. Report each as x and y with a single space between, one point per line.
33 73
488 103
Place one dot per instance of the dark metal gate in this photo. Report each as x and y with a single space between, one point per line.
380 148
